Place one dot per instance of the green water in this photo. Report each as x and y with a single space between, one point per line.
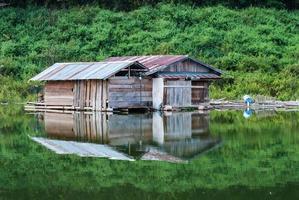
255 158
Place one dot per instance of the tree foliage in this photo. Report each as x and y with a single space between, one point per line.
131 4
257 48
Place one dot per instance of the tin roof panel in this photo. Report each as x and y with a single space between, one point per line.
83 71
151 62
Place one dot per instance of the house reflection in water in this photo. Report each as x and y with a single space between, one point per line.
172 137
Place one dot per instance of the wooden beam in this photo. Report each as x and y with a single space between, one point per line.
183 86
137 70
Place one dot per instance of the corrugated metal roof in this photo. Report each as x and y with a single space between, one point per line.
158 62
193 76
83 70
151 62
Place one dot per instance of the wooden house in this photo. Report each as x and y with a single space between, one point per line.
177 80
94 86
173 81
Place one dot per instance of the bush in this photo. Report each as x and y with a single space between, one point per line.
257 47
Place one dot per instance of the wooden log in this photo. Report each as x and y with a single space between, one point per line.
121 81
131 94
129 104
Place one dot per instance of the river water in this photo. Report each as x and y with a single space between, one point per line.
173 155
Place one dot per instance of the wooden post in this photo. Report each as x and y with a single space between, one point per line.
158 128
129 72
158 93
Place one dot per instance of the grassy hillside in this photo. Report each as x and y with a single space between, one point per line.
257 48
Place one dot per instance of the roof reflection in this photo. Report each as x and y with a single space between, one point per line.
174 137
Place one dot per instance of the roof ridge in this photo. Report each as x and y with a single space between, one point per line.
120 61
151 55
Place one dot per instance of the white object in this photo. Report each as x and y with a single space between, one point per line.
157 92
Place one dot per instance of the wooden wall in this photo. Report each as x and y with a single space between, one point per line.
83 94
122 92
177 93
91 94
200 95
186 66
127 92
59 93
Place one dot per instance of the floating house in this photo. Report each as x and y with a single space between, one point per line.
152 82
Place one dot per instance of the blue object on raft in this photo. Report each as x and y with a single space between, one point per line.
248 100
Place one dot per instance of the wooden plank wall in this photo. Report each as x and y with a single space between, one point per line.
200 95
186 66
90 94
178 96
93 94
129 92
59 93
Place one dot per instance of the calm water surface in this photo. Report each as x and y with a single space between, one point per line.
213 155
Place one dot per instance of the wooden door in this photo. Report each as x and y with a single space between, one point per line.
199 95
178 93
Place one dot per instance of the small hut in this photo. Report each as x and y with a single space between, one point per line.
94 86
176 81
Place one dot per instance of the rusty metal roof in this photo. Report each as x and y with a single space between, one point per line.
192 76
156 63
83 70
151 62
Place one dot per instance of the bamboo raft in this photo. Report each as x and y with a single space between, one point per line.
212 105
270 104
